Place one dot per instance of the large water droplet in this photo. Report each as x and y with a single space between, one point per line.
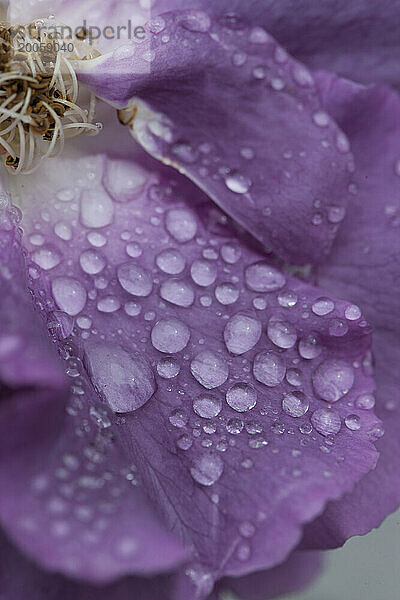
282 333
171 261
262 277
204 272
231 253
241 397
207 406
108 304
323 306
134 279
170 335
210 369
125 380
295 404
207 469
46 257
227 293
333 379
181 224
69 294
309 347
123 180
177 292
92 262
269 368
97 209
326 422
241 333
168 367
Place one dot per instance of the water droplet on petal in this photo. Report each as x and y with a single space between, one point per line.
171 261
204 272
365 401
269 368
287 298
231 253
323 306
207 406
309 347
170 335
46 257
238 183
97 209
69 294
177 292
282 333
241 333
210 369
295 404
196 20
207 469
353 422
234 426
181 224
258 35
63 231
352 312
123 180
109 304
125 380
326 422
242 397
168 367
227 293
333 379
92 262
262 277
134 279
178 418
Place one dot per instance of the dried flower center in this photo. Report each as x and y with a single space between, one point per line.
39 92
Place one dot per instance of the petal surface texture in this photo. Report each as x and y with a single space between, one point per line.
294 574
228 383
364 268
230 109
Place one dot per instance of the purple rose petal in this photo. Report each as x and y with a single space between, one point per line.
228 137
224 447
364 267
357 39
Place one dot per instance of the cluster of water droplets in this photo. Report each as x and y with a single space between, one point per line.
229 350
254 59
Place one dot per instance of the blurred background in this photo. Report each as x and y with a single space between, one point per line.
366 568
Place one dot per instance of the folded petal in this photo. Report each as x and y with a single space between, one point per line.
296 573
66 495
356 39
365 268
230 381
212 101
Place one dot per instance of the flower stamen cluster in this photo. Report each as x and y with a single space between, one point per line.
39 93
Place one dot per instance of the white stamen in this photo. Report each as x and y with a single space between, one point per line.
39 94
